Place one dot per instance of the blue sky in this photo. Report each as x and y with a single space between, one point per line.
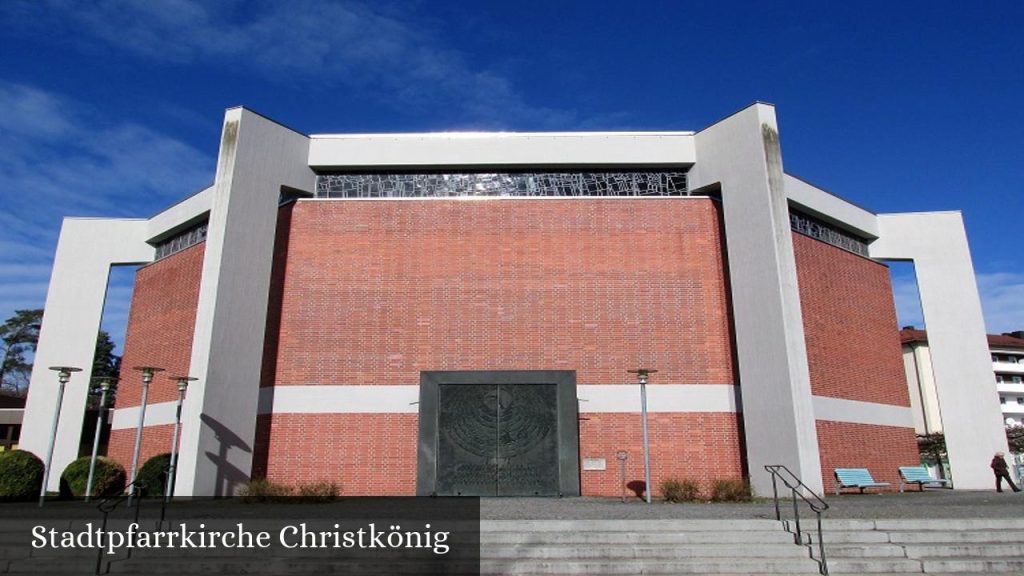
113 108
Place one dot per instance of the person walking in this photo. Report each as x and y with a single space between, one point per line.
1001 470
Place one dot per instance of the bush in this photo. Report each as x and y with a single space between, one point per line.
675 490
263 490
21 475
731 490
320 492
108 479
152 476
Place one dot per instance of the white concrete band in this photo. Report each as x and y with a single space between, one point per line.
404 399
857 412
820 203
157 414
971 418
534 150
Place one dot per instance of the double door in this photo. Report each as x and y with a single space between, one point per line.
497 440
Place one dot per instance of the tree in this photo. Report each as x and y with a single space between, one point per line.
19 334
1015 438
933 447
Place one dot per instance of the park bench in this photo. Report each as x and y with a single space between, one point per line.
856 478
918 475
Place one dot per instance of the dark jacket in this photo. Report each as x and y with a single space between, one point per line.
999 466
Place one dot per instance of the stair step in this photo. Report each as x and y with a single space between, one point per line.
974 565
872 565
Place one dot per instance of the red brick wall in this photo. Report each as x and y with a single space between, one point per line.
880 449
376 292
160 326
155 440
365 454
701 447
853 343
853 352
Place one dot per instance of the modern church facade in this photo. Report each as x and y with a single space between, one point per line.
455 313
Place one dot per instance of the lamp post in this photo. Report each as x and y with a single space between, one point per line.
172 470
63 376
147 377
642 374
105 385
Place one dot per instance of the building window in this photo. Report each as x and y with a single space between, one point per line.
182 240
1015 379
995 358
999 378
1002 399
501 184
1020 400
1011 359
827 233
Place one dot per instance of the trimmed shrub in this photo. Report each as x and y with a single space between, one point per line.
676 490
320 491
109 478
731 490
153 475
263 490
21 475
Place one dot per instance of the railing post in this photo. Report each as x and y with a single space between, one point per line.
775 493
823 565
798 537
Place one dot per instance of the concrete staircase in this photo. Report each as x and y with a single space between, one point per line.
655 547
619 547
934 546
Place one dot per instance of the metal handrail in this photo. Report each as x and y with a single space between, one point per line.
108 505
801 490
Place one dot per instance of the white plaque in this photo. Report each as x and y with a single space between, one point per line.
594 464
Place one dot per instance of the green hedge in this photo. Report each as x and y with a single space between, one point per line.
108 480
21 475
153 475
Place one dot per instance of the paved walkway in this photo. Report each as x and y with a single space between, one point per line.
933 503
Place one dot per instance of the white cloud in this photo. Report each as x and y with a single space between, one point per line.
1002 299
1001 293
391 58
57 159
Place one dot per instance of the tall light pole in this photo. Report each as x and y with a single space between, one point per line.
147 377
105 385
642 374
172 470
63 376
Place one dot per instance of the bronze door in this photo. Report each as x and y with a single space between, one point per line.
497 440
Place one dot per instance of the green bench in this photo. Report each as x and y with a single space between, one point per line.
856 478
918 475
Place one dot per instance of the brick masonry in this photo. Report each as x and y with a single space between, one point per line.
853 352
853 343
160 326
880 449
374 292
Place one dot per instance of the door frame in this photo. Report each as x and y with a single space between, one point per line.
567 417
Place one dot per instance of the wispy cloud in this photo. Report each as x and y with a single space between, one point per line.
1002 301
1002 298
382 54
59 158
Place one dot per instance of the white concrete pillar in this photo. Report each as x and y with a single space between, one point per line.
741 154
87 248
257 156
971 418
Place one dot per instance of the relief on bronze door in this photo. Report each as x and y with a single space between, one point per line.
498 440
